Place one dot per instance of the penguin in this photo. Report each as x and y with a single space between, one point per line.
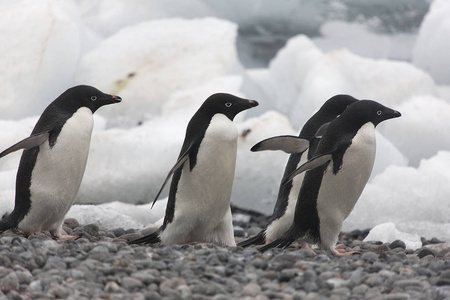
53 162
198 207
283 213
335 177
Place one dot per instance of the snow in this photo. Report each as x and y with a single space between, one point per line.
430 50
164 58
387 233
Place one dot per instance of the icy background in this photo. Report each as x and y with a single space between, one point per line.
164 58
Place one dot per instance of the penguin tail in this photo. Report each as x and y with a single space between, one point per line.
280 243
7 223
152 238
258 239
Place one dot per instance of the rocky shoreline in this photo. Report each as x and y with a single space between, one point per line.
100 265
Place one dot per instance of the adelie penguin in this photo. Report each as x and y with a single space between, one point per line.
335 177
53 162
302 148
198 208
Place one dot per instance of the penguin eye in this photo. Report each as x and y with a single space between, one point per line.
379 112
93 98
228 104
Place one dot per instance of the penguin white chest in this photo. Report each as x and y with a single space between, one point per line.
203 194
58 172
339 192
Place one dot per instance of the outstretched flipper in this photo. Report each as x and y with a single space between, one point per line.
179 164
287 143
32 141
309 165
151 238
258 239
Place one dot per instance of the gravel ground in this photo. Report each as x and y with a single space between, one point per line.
100 265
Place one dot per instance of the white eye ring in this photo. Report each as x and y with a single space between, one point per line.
228 104
379 112
93 98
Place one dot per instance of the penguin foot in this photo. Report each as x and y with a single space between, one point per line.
343 252
66 237
306 247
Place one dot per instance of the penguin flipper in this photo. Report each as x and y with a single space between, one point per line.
321 130
309 165
181 160
151 238
258 239
28 143
287 143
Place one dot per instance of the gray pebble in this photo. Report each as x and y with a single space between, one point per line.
421 253
323 258
397 244
131 284
370 257
397 296
10 281
113 287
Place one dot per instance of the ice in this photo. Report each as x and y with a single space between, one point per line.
342 72
415 199
41 63
431 47
423 129
360 40
148 62
118 215
164 58
387 233
258 174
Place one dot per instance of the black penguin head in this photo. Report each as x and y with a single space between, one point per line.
226 104
371 111
85 96
337 104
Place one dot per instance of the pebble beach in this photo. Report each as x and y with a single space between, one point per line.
101 265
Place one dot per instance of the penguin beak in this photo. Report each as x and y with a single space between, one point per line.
252 103
116 99
397 114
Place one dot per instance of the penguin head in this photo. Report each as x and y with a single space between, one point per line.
337 104
85 96
372 111
226 104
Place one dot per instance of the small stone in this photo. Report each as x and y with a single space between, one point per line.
421 253
112 287
24 277
323 258
239 231
287 274
444 279
130 283
309 275
71 223
10 281
360 289
374 280
397 244
152 296
369 257
259 263
92 230
118 232
397 296
252 289
58 291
